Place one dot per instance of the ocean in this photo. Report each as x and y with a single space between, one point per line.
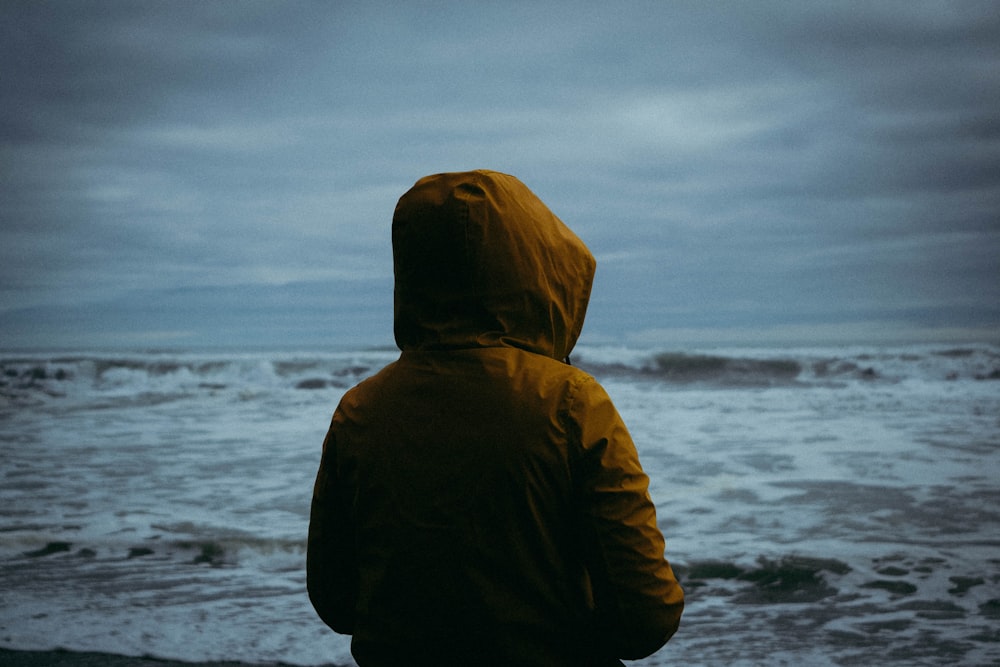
828 506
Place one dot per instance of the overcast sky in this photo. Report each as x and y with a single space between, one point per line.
225 172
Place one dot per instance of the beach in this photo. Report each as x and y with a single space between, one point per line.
10 658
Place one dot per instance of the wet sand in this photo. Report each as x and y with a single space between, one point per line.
10 658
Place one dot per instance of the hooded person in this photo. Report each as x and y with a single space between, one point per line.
479 501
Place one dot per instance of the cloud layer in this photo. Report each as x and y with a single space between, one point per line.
738 169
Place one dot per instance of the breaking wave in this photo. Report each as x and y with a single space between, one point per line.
161 377
766 368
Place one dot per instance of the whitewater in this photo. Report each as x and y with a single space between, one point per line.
828 506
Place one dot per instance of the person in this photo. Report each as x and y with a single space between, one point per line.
479 501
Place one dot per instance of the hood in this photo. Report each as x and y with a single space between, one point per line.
480 261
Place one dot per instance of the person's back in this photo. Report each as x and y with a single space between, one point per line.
479 501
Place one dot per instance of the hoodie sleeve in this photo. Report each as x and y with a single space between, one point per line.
331 562
638 601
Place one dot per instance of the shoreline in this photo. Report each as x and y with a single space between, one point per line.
67 658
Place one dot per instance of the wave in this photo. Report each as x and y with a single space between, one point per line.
183 543
791 579
765 368
151 378
728 370
97 381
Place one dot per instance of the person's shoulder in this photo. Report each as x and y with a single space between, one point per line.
553 372
371 384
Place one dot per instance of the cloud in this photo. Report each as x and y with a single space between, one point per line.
727 162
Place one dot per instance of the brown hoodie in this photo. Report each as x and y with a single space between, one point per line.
480 502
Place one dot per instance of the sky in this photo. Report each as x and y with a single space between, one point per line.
185 174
